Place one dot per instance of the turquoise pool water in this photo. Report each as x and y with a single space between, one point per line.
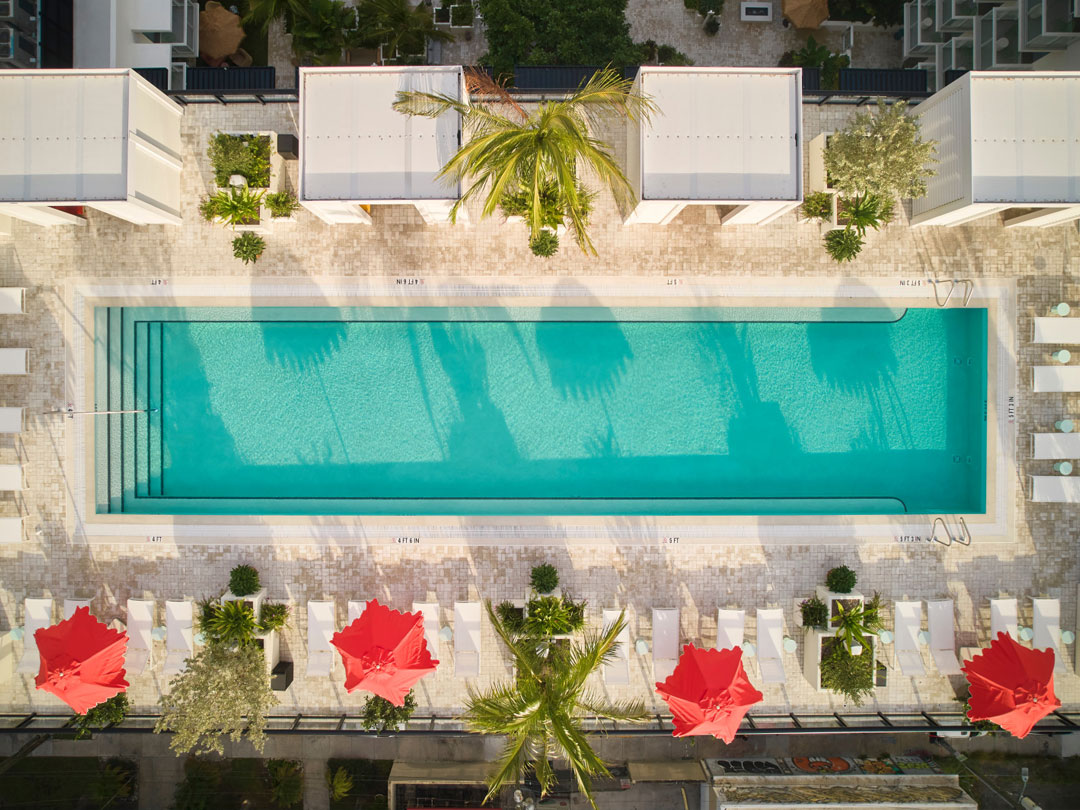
556 411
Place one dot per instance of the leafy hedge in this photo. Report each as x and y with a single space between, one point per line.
558 32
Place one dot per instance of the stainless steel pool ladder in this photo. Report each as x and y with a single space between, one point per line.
966 283
963 536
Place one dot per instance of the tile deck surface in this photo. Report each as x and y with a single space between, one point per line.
1041 559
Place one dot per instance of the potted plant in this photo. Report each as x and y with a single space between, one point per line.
544 578
281 206
839 588
248 247
461 15
815 613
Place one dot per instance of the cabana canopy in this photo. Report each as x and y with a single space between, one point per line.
102 138
356 149
721 136
1004 141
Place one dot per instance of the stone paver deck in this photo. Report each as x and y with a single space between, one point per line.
1041 559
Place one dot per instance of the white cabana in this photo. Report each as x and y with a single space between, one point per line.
107 139
1005 142
357 151
722 136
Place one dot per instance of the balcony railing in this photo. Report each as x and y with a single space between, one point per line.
1061 722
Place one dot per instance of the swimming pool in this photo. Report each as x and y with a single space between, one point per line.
540 411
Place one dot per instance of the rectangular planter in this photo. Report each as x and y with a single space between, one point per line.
812 657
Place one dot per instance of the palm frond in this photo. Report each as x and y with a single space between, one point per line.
584 762
429 105
523 658
594 650
620 711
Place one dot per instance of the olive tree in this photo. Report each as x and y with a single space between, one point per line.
880 153
222 691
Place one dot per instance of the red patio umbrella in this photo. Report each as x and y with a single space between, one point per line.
82 661
384 652
708 692
1011 685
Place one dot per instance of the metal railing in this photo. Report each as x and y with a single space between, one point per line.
1059 722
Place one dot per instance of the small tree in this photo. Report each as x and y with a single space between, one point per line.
222 691
380 714
106 713
881 154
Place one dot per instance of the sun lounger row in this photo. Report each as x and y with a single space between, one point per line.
179 638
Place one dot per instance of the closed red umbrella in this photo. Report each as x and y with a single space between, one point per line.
708 693
1011 685
384 652
82 661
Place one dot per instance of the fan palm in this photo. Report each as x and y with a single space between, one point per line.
541 709
510 150
400 27
262 12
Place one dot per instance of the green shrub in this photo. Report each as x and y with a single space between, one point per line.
231 623
704 7
106 713
208 208
690 5
248 247
198 789
512 617
247 155
545 244
815 613
815 55
273 616
234 206
553 616
244 580
519 204
864 211
281 203
818 206
286 782
461 14
843 245
854 624
113 783
850 675
544 578
380 714
712 26
668 55
339 782
840 579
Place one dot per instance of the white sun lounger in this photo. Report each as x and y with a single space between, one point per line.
430 612
770 649
617 672
321 624
1055 488
1055 445
730 627
11 420
1056 330
665 634
467 639
13 361
179 635
356 607
37 614
140 626
71 605
940 623
12 300
1003 618
11 529
12 478
1059 379
1046 629
906 626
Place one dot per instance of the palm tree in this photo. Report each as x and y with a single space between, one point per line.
541 709
402 28
262 12
510 150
